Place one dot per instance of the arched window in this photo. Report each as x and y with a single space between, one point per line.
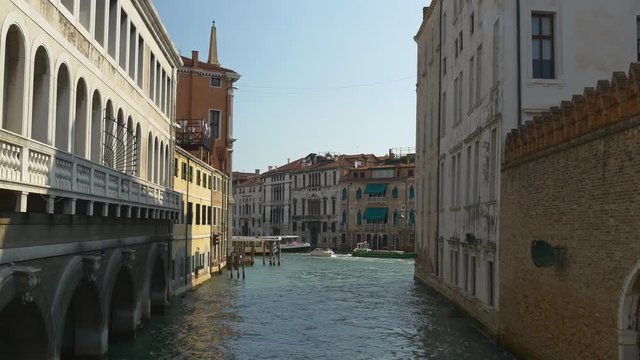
395 217
80 123
63 99
412 193
108 136
394 192
138 152
14 71
344 217
344 193
96 127
149 157
156 162
359 217
130 146
161 164
120 160
40 100
358 194
412 217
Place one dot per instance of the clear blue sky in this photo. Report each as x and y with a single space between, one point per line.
331 75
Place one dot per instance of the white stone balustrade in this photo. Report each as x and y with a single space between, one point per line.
30 166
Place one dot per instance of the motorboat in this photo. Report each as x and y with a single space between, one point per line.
322 252
295 247
363 250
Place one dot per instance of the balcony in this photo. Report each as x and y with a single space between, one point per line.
376 227
33 167
401 225
376 200
193 133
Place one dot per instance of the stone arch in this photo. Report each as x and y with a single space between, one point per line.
80 124
96 126
80 326
13 79
155 279
629 316
28 340
40 96
63 99
118 280
122 307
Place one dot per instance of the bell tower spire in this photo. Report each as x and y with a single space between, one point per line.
213 46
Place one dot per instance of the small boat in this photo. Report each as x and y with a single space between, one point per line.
361 247
321 252
363 250
295 247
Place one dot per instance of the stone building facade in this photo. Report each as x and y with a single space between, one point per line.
500 64
277 198
197 249
86 205
315 203
570 178
377 206
247 212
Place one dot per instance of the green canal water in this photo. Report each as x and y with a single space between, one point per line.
311 308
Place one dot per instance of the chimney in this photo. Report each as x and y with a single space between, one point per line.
194 57
213 46
288 160
257 171
270 167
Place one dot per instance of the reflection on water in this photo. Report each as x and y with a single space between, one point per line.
337 308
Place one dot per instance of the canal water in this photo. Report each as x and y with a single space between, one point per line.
311 307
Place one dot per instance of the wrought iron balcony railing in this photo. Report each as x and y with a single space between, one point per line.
193 133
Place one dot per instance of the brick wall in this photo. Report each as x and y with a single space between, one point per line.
572 178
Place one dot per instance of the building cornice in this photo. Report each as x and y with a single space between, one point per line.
204 72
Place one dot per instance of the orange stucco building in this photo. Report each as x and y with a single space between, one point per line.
204 108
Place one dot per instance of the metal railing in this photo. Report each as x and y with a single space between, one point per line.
193 132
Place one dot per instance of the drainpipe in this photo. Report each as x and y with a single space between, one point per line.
186 228
519 64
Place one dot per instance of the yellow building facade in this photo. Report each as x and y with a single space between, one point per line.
197 249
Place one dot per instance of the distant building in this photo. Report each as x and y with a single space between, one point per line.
248 197
277 195
302 198
315 199
377 206
204 120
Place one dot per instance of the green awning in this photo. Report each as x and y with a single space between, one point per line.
375 214
376 189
